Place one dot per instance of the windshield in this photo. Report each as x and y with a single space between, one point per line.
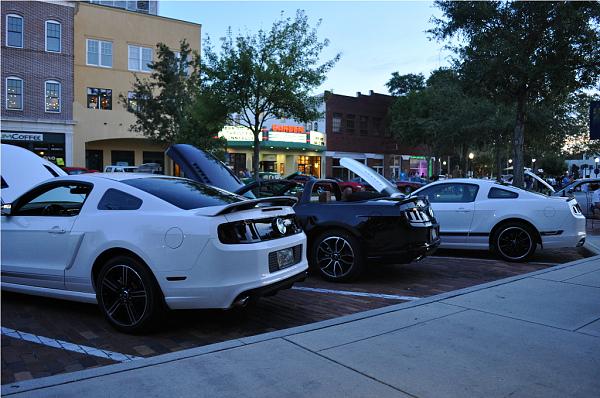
183 193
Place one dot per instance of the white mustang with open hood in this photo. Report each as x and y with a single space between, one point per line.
140 243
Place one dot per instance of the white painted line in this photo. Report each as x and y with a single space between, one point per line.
65 345
359 294
463 258
485 259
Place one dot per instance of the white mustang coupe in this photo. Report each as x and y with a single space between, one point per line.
138 244
512 222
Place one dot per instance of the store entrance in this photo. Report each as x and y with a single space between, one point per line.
310 165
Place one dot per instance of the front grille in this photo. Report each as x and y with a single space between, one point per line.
273 264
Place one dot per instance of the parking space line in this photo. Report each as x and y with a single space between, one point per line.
484 260
65 345
359 294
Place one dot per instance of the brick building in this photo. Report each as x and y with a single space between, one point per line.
37 77
356 128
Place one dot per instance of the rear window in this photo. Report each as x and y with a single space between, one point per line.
185 194
497 193
113 199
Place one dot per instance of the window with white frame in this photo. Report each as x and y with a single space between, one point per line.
139 58
53 36
14 30
52 96
99 53
14 93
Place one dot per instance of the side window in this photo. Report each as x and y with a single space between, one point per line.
451 193
65 200
497 193
4 184
113 199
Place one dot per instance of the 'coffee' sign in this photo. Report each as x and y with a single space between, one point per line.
14 136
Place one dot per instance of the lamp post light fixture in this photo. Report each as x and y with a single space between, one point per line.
533 164
471 156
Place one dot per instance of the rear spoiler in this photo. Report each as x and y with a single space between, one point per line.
258 203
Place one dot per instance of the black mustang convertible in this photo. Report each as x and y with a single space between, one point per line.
345 231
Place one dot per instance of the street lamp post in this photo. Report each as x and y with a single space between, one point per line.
596 161
471 156
533 164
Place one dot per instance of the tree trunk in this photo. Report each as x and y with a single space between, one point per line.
255 154
518 141
498 162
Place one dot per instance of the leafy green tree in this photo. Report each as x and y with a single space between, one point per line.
524 52
172 105
403 84
446 120
269 74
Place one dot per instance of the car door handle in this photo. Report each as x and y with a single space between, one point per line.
463 210
56 230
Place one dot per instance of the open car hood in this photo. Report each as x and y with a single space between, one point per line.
22 170
201 166
540 180
373 178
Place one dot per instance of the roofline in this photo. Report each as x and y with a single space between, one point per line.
116 9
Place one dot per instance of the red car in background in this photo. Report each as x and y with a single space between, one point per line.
78 170
354 185
408 186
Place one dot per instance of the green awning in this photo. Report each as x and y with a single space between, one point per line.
281 145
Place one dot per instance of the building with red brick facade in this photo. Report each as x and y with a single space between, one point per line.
37 77
356 127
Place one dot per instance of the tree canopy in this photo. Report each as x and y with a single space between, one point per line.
524 54
172 105
268 75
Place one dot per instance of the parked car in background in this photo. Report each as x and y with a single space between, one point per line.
263 175
299 177
407 187
138 244
78 170
120 169
152 168
582 191
512 222
344 233
353 185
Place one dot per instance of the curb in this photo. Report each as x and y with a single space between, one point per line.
67 378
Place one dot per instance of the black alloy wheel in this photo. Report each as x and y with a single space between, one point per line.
337 256
514 242
128 296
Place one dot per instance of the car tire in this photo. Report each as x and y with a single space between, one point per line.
129 296
337 256
514 242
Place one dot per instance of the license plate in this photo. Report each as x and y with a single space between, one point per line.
285 258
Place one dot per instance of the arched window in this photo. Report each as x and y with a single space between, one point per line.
53 36
14 31
52 96
14 93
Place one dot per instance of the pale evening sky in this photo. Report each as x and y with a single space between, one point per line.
375 38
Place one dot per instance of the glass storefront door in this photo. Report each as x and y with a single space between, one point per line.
310 165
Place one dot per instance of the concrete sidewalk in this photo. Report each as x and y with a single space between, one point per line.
532 335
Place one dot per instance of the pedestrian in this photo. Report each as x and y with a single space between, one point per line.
247 173
565 180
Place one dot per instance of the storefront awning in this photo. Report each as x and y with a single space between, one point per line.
278 145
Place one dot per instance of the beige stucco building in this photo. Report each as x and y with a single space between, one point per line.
112 44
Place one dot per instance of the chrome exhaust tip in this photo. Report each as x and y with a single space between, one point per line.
242 302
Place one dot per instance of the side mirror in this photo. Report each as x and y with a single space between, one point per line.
6 209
